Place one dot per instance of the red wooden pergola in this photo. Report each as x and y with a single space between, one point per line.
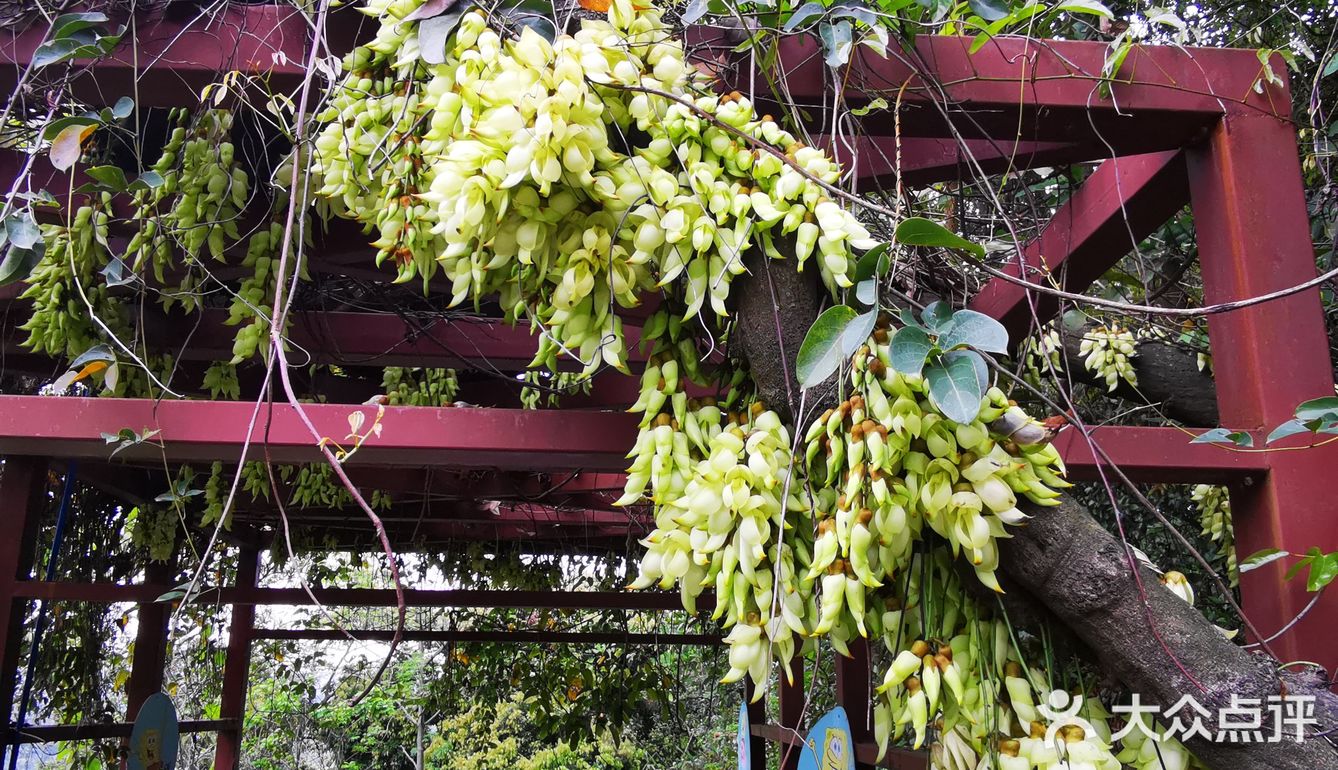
1179 126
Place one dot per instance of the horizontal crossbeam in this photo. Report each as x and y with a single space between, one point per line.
116 593
505 637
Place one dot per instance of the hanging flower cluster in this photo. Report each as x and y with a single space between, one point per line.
568 177
1108 353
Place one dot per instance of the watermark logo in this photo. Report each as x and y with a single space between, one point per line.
1245 720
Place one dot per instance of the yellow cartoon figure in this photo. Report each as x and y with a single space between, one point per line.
150 750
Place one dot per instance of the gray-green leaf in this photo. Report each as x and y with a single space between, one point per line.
918 231
955 388
977 330
909 348
821 352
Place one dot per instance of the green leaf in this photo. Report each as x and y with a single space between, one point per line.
1323 570
67 24
1331 67
432 35
1224 436
95 353
1090 7
54 128
909 348
977 330
820 353
803 15
872 262
918 231
116 273
1318 408
937 316
866 292
19 263
149 179
21 230
1296 568
982 369
108 176
857 333
1260 558
955 388
854 9
1288 428
989 10
877 104
836 42
123 107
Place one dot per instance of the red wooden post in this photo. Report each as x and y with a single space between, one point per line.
792 713
23 486
852 694
146 668
237 667
757 716
1254 237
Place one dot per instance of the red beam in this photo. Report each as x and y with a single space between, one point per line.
114 593
1020 88
1124 197
372 339
924 161
1254 237
54 733
1157 455
506 637
237 666
23 488
171 62
509 439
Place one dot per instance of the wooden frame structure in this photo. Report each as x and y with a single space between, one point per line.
1177 127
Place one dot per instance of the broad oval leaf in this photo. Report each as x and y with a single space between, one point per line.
821 352
977 330
1318 408
857 333
1288 428
837 41
803 15
432 35
989 10
1224 436
18 263
108 176
872 262
908 350
937 316
98 352
21 230
977 362
918 231
955 387
68 146
866 292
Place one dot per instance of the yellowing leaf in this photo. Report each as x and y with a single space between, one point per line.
68 146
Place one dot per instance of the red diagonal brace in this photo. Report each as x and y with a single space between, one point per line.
1120 204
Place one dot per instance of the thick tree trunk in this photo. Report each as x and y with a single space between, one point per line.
1168 376
1149 639
1160 647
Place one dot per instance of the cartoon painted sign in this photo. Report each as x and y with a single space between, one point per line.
829 746
744 739
153 741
